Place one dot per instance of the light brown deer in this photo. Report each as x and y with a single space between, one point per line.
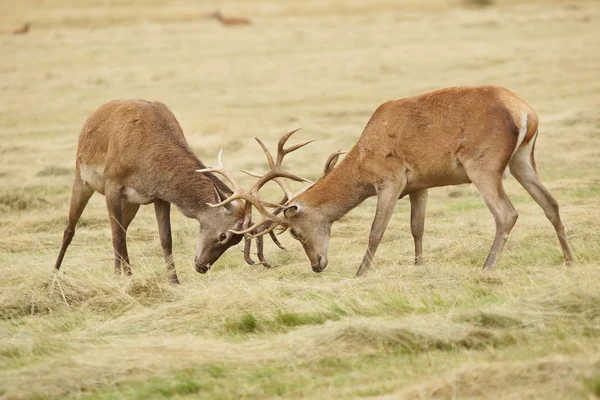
134 152
23 29
229 21
447 137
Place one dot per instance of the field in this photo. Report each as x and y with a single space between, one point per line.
528 329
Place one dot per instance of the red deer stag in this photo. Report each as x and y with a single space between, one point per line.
447 137
134 152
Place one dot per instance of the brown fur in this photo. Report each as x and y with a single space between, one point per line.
447 137
138 145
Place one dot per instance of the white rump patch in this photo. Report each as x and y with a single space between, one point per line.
520 138
522 132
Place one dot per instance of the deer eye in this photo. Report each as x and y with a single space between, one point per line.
222 237
294 234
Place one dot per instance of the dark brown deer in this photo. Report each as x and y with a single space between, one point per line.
448 137
134 152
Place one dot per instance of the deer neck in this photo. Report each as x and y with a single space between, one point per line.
187 189
338 192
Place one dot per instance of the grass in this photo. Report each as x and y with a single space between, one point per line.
479 3
446 329
593 385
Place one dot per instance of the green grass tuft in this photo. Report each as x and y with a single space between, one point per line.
592 385
247 323
292 319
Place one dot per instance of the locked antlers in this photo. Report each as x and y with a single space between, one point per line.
268 221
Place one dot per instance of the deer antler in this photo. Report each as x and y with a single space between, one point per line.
331 161
239 193
276 173
269 221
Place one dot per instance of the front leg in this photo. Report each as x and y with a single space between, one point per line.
163 217
418 203
119 241
387 196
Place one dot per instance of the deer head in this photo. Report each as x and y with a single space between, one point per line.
309 226
312 229
216 234
241 200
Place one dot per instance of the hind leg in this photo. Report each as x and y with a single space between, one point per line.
114 202
128 212
490 186
163 218
522 166
80 196
418 203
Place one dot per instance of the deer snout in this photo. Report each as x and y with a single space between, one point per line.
320 265
201 266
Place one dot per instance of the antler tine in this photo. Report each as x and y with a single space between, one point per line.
282 152
220 157
238 192
260 252
334 155
276 241
219 169
284 186
247 248
228 200
266 216
254 174
284 139
297 146
267 152
249 231
273 175
264 219
331 161
288 194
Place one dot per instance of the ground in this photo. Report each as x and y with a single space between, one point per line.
446 329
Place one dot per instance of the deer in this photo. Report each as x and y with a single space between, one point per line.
229 21
134 153
452 136
23 29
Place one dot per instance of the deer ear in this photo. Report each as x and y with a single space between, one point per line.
221 196
290 211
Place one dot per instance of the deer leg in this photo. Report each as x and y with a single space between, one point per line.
522 168
505 215
128 212
114 205
386 201
418 203
80 195
163 218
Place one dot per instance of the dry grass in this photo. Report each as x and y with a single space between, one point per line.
529 329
